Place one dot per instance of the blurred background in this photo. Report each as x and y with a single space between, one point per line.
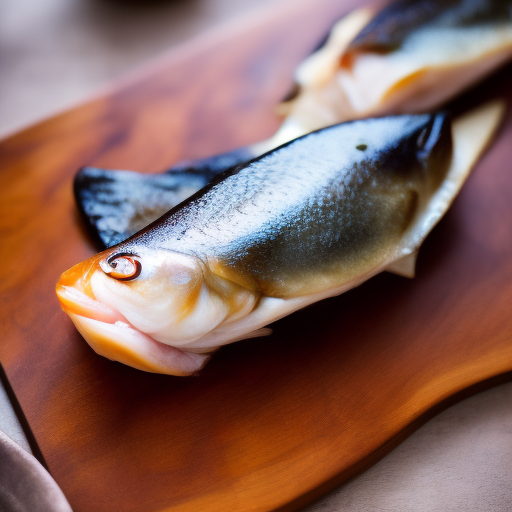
55 53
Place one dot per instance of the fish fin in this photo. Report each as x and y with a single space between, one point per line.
258 333
471 133
117 204
405 266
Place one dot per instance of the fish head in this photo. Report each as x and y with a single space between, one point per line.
148 307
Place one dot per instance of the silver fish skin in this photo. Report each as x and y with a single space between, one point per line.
115 204
408 56
327 206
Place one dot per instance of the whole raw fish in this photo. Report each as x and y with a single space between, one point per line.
306 221
410 56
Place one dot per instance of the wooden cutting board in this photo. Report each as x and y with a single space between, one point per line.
273 422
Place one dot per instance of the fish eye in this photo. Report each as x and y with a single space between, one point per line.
123 267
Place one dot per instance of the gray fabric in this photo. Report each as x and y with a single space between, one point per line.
25 486
9 423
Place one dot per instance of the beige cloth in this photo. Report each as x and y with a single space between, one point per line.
460 461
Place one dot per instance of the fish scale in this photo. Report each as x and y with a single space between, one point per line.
317 205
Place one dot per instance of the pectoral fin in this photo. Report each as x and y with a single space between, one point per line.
258 333
471 135
405 266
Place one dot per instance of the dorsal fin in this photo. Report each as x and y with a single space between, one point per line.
471 134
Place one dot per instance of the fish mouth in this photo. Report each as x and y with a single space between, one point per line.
111 335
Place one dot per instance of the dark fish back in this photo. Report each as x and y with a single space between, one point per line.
326 206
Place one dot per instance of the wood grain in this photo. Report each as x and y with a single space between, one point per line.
273 422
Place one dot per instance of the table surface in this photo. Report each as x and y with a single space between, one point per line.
460 460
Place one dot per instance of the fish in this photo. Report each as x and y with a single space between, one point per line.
115 204
311 219
411 56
